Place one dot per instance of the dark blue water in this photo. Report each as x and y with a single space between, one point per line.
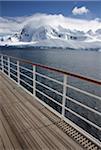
86 63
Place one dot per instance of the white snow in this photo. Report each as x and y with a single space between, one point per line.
53 31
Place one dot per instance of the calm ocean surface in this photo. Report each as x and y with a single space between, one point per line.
86 63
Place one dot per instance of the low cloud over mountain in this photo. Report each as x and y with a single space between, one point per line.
43 28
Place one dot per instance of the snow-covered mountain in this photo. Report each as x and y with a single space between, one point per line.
47 35
29 34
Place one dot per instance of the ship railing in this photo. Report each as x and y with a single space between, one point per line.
26 74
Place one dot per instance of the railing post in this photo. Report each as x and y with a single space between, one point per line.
8 66
2 63
18 73
64 94
34 78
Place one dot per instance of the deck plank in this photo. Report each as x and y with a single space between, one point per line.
1 144
25 124
7 138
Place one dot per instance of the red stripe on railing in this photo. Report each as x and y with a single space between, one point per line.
70 74
98 82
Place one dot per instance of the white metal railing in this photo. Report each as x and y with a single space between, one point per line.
13 67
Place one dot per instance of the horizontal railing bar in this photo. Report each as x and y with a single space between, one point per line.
13 63
49 97
26 69
49 88
49 78
89 122
26 83
70 74
13 75
4 60
84 106
98 82
13 69
84 92
25 76
5 69
59 71
4 65
68 98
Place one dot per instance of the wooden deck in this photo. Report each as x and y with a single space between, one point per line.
25 124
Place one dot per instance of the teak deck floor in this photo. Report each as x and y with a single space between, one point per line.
25 124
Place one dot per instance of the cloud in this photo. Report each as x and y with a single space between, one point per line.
80 10
12 25
9 26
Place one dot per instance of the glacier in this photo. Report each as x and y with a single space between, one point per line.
36 32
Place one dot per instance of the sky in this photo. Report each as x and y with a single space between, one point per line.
90 10
80 15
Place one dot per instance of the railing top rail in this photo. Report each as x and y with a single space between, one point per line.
98 82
